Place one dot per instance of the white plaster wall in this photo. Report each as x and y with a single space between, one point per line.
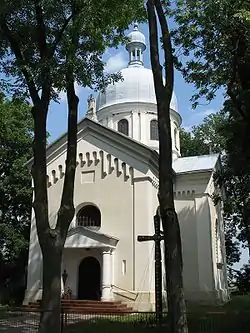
185 208
115 195
34 276
139 116
205 249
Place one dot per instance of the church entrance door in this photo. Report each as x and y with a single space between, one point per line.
89 279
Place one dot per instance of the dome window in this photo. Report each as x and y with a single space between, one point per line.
154 134
123 126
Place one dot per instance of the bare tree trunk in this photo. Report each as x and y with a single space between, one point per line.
171 229
47 237
52 240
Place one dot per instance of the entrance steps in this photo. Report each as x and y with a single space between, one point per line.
87 307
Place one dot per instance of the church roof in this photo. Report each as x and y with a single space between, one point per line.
191 164
181 165
136 86
81 237
125 143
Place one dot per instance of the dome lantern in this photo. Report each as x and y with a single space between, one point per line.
136 46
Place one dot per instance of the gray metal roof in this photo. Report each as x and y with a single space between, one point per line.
195 163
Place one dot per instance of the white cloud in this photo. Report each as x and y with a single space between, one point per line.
116 62
208 112
196 117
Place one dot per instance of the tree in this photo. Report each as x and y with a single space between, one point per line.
16 134
214 37
170 223
47 46
215 40
242 282
204 138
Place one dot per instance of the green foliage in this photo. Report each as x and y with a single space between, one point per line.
16 128
40 36
242 281
214 38
204 138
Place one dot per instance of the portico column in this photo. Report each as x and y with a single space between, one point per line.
106 274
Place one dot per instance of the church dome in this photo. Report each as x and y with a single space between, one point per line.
137 83
136 86
136 36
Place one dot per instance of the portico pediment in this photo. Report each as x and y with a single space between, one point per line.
82 237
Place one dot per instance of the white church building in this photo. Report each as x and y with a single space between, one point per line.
115 198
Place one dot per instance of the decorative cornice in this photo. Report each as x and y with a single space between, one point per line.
109 164
184 194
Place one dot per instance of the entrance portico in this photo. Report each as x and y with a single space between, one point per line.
88 261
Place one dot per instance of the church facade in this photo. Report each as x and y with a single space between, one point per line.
115 197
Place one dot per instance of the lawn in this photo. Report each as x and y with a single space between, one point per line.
232 317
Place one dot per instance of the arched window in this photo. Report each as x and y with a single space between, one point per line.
90 217
123 126
154 134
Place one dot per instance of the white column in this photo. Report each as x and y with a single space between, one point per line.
106 274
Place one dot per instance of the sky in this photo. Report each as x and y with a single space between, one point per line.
115 60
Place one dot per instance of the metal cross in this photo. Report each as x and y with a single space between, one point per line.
157 238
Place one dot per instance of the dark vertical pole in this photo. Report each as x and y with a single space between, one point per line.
62 320
158 271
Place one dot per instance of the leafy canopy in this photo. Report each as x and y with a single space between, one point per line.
214 38
16 134
39 34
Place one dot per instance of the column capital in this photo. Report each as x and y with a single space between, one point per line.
106 250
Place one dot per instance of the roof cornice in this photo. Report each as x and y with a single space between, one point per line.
106 134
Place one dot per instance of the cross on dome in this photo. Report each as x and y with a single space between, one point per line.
136 46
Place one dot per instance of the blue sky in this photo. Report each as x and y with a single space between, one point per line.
116 60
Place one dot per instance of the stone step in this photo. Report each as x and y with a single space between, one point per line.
73 310
73 301
85 306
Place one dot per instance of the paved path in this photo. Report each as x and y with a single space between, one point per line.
22 323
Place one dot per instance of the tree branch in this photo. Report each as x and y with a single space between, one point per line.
167 45
154 49
15 47
231 83
41 31
67 209
59 35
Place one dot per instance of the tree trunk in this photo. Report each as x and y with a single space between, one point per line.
52 240
170 223
246 221
51 299
52 247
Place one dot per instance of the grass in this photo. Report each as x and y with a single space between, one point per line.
196 323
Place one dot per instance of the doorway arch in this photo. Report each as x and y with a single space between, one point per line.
89 279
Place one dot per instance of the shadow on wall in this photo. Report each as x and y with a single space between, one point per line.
35 264
196 251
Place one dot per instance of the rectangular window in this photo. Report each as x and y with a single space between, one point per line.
124 267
